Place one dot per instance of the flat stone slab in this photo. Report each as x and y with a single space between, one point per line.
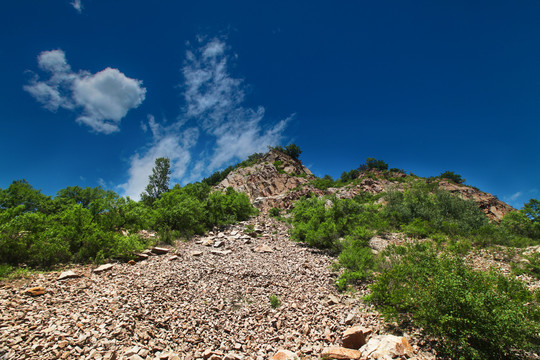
221 253
160 250
68 275
263 249
142 256
103 267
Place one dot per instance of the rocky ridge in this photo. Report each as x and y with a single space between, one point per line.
268 185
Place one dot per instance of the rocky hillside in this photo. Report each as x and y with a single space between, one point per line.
278 180
270 182
209 298
240 292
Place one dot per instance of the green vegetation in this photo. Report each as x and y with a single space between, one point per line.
85 224
275 212
323 222
324 183
450 175
373 164
474 314
532 210
158 181
292 150
274 301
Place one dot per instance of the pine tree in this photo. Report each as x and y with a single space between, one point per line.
158 181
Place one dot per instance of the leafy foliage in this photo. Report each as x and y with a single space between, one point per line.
347 177
292 150
428 211
476 315
84 224
323 183
274 301
158 181
373 164
532 210
450 175
322 222
21 193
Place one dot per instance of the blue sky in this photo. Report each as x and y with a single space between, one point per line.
93 91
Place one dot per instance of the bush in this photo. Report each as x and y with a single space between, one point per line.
323 183
422 212
356 257
292 150
322 222
450 175
373 164
275 212
475 315
532 210
274 301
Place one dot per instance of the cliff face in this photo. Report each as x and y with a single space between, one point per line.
278 180
270 182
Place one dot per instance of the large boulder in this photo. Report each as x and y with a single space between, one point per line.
387 347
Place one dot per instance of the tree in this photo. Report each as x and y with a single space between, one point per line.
372 163
532 210
450 175
293 151
20 192
158 181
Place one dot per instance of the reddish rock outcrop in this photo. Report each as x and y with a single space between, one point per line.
493 207
269 182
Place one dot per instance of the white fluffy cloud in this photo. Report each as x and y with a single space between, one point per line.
102 99
214 102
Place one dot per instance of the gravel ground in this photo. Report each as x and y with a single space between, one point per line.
211 300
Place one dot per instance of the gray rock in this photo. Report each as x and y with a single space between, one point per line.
103 267
160 250
68 275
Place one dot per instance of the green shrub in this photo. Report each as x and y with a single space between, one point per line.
422 211
275 212
292 150
323 183
274 301
450 175
475 315
356 257
373 164
322 222
532 210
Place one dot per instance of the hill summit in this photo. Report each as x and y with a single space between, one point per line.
277 180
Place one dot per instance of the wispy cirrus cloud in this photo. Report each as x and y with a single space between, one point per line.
214 99
77 4
213 117
101 100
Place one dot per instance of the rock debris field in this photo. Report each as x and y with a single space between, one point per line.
208 298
